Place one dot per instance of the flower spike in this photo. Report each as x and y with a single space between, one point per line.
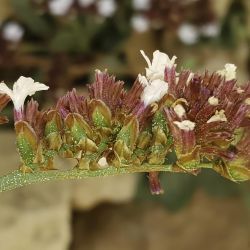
167 121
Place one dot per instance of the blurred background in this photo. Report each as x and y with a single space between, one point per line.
61 43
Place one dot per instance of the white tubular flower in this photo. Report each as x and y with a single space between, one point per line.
247 101
229 71
179 110
23 87
213 101
154 91
155 86
103 162
218 117
160 61
186 125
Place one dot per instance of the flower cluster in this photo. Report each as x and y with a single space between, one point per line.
199 118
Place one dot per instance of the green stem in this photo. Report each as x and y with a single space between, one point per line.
18 179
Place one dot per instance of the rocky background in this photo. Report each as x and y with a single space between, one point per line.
62 45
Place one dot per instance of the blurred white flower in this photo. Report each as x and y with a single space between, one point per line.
13 32
85 3
188 33
210 30
186 125
23 87
140 23
141 4
60 7
106 8
229 71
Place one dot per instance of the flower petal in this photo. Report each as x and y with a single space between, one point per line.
4 89
229 71
23 87
154 92
185 125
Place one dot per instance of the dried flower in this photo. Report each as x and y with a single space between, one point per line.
229 71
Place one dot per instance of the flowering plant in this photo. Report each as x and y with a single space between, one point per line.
203 120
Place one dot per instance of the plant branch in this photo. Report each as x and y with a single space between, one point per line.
18 179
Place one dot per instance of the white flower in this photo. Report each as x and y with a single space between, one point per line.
229 71
106 8
140 23
247 101
13 32
218 117
154 91
23 87
186 125
103 162
60 7
155 86
179 110
213 101
160 61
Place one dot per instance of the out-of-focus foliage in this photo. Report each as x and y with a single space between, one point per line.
61 41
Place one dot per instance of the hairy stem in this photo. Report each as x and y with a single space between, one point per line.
18 179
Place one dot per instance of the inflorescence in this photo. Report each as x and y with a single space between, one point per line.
195 119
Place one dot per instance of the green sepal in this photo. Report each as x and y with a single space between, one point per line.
54 123
77 127
53 130
159 121
100 113
238 170
161 140
27 143
129 132
189 161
